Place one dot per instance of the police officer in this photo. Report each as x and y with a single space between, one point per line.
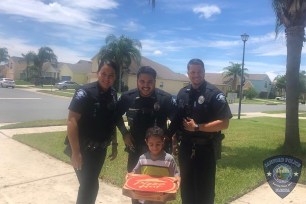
145 107
203 113
91 128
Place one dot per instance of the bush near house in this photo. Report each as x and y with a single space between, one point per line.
250 93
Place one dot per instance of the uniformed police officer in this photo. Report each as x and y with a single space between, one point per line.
203 113
91 128
145 107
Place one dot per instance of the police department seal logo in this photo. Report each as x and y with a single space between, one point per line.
156 106
221 97
201 99
80 94
282 173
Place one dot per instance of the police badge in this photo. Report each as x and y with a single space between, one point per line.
201 99
282 173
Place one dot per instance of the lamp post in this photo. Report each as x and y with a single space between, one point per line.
244 38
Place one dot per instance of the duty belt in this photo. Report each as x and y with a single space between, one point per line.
93 145
206 139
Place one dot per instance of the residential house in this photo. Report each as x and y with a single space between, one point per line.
166 79
2 68
75 72
14 68
261 83
218 80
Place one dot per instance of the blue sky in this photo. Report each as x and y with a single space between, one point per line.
173 33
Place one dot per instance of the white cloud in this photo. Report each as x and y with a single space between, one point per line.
207 11
157 52
16 46
132 26
52 13
91 4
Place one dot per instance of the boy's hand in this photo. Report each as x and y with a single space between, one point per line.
177 180
128 175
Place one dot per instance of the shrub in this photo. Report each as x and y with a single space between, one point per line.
250 93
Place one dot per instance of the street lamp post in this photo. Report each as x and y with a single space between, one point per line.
244 38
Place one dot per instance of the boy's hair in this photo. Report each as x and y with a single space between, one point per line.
155 132
146 70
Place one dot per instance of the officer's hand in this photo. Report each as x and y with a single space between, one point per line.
77 160
129 141
189 124
114 153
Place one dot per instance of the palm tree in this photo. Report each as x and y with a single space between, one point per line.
4 57
280 84
233 72
122 51
291 14
45 54
152 3
30 58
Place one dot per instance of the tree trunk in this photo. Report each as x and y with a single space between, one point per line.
295 36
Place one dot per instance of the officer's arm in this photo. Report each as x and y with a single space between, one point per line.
73 136
214 126
121 126
114 145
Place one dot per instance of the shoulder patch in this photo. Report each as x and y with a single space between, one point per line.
221 97
81 93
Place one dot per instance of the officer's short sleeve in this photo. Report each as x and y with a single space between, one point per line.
220 106
79 101
123 104
171 107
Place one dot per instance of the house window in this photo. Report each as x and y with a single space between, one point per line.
161 85
266 84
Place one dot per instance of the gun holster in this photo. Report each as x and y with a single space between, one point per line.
217 143
67 149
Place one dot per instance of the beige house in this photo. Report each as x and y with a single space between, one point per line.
14 68
75 72
68 72
166 79
218 80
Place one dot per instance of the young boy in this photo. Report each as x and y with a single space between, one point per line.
156 162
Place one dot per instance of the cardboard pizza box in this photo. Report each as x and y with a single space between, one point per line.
145 187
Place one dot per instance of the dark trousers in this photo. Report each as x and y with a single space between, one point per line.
89 176
197 173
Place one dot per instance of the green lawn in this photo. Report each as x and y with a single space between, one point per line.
247 143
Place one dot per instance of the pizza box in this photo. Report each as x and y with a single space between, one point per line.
145 187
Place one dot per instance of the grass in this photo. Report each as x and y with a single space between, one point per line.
261 101
66 93
247 143
38 123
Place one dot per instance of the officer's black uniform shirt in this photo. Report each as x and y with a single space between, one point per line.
205 104
143 112
97 112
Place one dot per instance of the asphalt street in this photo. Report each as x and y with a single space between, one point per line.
21 105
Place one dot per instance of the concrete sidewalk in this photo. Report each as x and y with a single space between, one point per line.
30 176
